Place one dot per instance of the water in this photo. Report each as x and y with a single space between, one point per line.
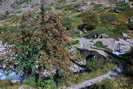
2 76
118 52
13 76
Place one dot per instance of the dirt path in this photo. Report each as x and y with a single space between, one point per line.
91 82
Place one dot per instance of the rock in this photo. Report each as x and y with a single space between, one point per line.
123 45
25 87
96 36
130 26
2 47
110 43
105 36
130 23
130 20
76 68
117 11
85 27
48 73
125 35
131 5
81 9
85 43
119 70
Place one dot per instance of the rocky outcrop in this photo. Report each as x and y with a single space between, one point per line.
112 44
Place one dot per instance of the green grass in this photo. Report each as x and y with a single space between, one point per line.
76 20
6 84
99 44
119 83
111 30
75 42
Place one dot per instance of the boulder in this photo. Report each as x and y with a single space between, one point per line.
85 27
130 26
130 20
76 67
112 44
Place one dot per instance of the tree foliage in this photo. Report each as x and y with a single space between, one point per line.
40 41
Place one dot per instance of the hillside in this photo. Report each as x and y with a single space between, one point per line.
13 5
66 44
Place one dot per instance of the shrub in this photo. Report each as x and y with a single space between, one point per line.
119 30
129 12
41 84
108 18
67 22
46 84
99 44
75 42
75 33
116 33
94 64
106 84
89 18
121 7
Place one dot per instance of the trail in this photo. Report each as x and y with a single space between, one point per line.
88 83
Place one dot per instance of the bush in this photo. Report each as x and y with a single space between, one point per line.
75 42
116 33
94 63
119 30
89 18
41 84
99 44
121 7
106 84
108 18
75 33
129 12
67 22
46 84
